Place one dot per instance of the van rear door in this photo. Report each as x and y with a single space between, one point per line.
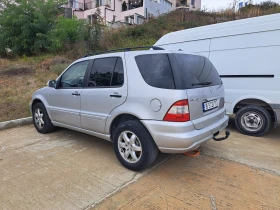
204 89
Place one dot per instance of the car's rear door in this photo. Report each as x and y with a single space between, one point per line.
106 89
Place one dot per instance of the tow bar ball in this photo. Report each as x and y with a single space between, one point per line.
221 138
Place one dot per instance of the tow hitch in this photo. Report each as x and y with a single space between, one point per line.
222 138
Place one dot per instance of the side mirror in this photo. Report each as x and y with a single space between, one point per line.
52 83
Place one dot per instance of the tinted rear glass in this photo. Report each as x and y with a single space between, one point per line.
101 72
106 72
197 71
156 70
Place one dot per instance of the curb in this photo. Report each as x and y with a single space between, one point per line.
15 123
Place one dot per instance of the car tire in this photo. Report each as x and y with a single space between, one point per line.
253 120
128 149
41 119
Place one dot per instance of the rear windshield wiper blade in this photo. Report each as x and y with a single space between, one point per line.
202 83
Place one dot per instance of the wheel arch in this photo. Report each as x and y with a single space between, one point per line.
119 119
254 101
35 101
40 100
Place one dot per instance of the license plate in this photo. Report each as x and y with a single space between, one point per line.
210 105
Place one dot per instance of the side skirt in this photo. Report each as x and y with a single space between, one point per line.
99 135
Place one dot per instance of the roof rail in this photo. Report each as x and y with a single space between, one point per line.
125 49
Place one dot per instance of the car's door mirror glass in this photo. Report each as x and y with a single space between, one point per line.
51 83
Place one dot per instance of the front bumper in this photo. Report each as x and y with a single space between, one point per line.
173 137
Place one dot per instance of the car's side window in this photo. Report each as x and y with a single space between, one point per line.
106 72
156 70
74 76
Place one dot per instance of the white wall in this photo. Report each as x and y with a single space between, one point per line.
156 9
197 5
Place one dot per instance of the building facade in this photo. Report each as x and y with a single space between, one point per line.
119 11
188 4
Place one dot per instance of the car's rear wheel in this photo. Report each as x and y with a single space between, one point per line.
134 146
41 119
253 120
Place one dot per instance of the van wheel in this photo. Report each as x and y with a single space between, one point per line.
134 146
253 120
41 119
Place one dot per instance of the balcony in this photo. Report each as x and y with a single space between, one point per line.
97 3
76 5
183 5
132 4
89 5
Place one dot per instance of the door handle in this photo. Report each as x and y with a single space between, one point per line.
116 96
76 93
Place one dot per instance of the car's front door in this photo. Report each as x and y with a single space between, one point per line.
106 89
65 100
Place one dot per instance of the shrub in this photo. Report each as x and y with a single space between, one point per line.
67 32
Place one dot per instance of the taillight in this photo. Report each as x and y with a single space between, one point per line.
178 112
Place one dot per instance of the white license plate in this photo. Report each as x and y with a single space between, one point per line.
210 105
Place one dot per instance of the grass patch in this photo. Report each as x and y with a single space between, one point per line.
19 78
58 68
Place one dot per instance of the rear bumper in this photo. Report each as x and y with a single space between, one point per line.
173 137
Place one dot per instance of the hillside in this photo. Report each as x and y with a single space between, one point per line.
21 76
149 32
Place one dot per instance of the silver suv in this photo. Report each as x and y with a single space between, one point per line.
142 101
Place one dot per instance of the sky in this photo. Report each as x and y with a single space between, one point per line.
218 4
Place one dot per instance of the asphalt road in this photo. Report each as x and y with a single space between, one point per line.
70 170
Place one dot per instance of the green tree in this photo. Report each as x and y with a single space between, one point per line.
97 27
25 23
268 5
67 32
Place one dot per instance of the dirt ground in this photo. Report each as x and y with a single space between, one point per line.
70 170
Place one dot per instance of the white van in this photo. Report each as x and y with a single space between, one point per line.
246 54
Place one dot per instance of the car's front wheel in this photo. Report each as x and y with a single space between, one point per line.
41 119
134 146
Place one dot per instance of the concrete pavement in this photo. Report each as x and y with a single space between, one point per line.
261 152
61 170
71 170
203 183
240 173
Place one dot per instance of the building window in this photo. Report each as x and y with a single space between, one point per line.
166 3
91 19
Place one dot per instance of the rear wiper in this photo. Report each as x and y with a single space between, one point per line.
202 83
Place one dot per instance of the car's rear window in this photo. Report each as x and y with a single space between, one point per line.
177 71
197 71
156 70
